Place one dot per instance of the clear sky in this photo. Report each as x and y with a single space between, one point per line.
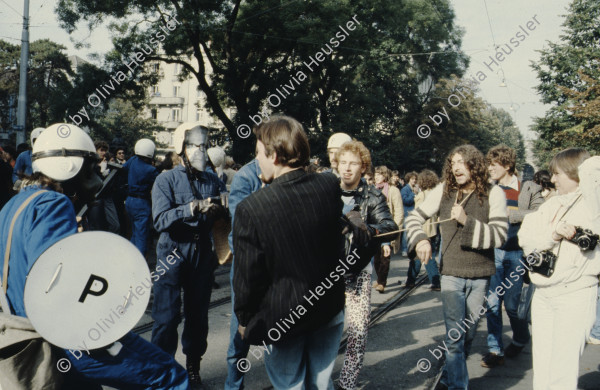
483 30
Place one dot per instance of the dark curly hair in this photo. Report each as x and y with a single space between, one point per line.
478 169
427 179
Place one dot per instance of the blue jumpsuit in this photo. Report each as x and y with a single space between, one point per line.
140 178
22 165
46 220
189 236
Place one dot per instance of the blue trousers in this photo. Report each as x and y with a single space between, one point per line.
414 266
306 361
238 348
463 304
195 275
510 283
139 365
140 217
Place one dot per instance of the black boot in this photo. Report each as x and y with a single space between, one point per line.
193 369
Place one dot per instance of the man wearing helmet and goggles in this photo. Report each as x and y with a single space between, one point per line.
184 203
64 158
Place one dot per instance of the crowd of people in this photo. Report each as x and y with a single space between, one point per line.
306 241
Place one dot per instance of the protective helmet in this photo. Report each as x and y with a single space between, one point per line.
60 150
144 148
337 140
35 133
217 157
181 130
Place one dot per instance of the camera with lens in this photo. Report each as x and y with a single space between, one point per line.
585 239
542 262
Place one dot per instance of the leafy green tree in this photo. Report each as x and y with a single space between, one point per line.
242 52
568 72
123 120
48 86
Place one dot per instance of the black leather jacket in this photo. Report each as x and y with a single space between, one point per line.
376 213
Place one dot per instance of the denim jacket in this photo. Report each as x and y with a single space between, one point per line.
244 183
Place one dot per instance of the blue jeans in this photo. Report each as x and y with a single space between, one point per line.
510 283
306 361
414 266
140 217
596 329
463 303
238 348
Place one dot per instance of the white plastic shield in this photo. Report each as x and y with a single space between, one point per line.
87 290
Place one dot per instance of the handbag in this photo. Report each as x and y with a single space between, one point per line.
27 361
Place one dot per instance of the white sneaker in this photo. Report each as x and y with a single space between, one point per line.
593 340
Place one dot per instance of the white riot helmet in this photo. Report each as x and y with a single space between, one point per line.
217 157
337 140
179 136
193 138
35 133
144 148
60 150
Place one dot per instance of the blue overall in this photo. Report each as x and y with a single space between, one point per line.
22 165
188 237
46 220
140 178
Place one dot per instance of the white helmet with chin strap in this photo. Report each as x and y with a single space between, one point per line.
60 150
192 138
179 134
35 133
144 148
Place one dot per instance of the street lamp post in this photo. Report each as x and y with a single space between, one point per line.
22 105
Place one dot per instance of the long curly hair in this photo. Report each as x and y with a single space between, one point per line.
478 169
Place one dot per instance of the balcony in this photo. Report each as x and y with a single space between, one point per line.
166 101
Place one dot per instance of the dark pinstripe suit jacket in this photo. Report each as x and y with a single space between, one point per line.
287 241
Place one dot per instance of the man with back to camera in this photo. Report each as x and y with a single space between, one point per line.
23 162
477 224
140 178
64 158
287 242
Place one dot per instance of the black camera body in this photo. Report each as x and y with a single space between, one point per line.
542 262
585 239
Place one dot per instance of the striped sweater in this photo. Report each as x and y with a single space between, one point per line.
467 251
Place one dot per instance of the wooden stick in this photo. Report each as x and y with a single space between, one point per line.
433 223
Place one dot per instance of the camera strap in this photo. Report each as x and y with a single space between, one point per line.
560 219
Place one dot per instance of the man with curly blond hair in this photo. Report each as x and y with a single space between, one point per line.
364 203
474 222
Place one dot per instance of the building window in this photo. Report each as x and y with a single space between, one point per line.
176 114
155 67
198 115
177 69
154 114
154 90
176 90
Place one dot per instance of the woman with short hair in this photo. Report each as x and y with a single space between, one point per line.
564 303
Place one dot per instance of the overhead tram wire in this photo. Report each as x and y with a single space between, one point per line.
10 6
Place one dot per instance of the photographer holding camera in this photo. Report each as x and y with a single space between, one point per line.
561 239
